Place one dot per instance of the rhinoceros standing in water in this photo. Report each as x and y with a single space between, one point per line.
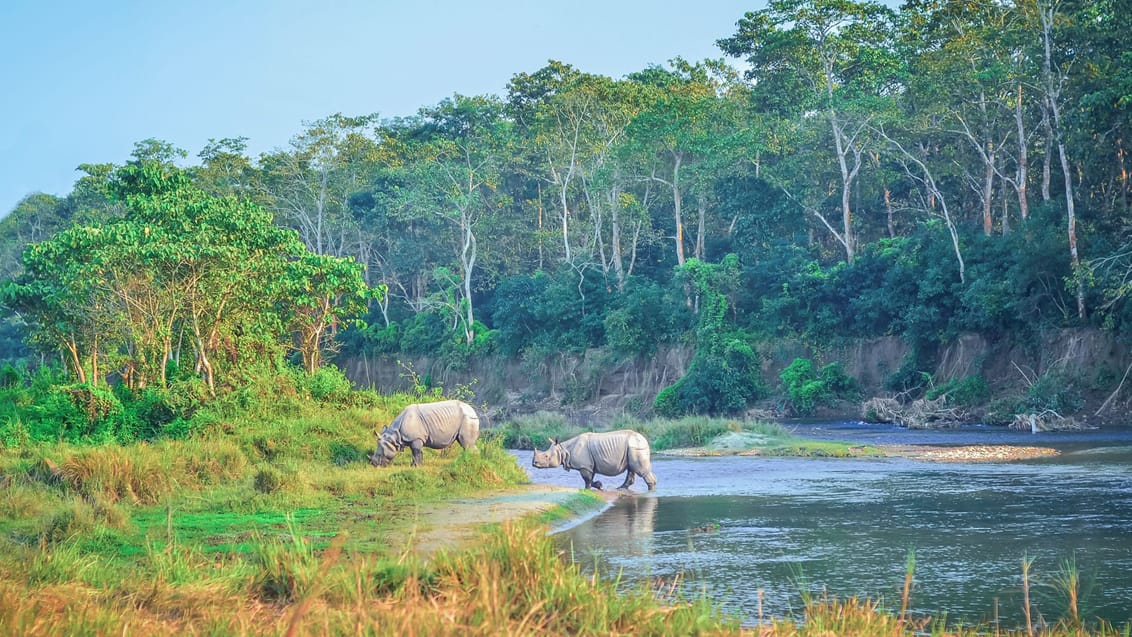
607 453
432 425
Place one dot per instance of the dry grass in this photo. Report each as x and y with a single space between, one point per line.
512 583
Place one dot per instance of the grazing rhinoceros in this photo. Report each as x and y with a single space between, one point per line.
432 425
607 453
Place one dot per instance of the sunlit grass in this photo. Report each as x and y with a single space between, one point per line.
242 530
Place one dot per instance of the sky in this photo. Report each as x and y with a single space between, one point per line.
82 81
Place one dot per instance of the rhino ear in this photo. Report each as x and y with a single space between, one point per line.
553 441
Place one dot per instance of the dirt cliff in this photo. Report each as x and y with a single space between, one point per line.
596 384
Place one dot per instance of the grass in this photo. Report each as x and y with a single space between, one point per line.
276 525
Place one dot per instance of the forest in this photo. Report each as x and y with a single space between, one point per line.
843 171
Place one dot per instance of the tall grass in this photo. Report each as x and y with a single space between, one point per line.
230 532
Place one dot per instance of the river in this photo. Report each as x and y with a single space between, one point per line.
756 533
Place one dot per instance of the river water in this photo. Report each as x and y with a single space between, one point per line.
756 533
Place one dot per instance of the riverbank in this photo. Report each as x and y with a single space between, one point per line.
452 524
455 523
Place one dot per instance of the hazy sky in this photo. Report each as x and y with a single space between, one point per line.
83 80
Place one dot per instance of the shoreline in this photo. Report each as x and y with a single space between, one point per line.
455 523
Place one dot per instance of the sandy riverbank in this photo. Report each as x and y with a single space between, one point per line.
457 522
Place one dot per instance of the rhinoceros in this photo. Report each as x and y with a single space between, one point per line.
432 425
607 453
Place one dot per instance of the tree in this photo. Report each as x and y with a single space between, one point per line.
1048 21
321 292
829 55
180 264
457 156
309 184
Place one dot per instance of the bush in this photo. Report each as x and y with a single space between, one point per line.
10 377
1055 392
327 384
711 386
75 413
969 391
808 388
268 480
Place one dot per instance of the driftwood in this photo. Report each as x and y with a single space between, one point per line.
1048 420
919 414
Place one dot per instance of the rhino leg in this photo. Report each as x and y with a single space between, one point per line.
629 479
588 477
417 446
650 480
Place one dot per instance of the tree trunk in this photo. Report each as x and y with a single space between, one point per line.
468 262
1022 175
615 236
700 228
1047 156
76 362
1053 96
676 207
889 213
988 191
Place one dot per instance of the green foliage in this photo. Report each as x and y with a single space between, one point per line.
724 374
969 391
213 272
689 431
543 312
532 431
807 387
643 317
50 409
10 377
1058 392
327 384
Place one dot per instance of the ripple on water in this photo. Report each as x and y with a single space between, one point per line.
847 526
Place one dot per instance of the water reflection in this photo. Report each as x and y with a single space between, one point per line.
736 526
629 525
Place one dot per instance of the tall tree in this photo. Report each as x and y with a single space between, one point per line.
309 184
830 55
458 151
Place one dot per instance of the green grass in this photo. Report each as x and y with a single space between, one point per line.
257 525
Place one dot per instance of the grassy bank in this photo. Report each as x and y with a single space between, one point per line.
268 519
272 522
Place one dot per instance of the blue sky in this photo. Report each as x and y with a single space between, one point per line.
83 81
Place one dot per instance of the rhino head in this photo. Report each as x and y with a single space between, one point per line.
552 457
386 450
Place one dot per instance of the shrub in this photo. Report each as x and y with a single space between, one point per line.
1055 392
268 479
969 391
711 386
807 388
533 431
10 377
327 384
